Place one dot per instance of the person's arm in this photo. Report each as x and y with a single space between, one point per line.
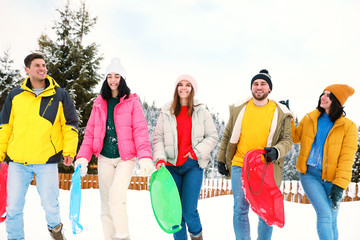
284 144
140 132
221 157
69 125
225 141
204 147
346 159
159 141
297 131
86 148
6 126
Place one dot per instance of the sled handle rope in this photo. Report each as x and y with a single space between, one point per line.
262 178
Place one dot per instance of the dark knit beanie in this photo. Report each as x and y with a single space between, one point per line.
264 75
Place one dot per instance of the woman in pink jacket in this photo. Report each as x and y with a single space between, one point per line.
116 133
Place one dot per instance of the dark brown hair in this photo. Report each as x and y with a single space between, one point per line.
336 110
176 106
29 58
123 89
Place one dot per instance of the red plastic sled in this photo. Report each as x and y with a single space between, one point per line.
3 193
260 189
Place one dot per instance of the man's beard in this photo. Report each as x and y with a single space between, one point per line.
40 79
264 96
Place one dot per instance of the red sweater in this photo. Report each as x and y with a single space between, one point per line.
184 126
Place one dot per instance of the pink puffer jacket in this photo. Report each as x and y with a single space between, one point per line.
130 125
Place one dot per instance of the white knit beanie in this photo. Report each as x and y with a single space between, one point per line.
187 78
116 67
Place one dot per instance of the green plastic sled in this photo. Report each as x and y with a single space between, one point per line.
165 201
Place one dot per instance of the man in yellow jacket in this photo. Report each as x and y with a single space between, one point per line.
38 126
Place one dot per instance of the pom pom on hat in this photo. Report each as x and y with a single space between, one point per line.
189 78
264 75
116 67
341 92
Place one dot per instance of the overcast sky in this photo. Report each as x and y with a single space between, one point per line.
306 45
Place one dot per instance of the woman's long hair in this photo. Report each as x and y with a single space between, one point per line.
176 106
336 110
123 89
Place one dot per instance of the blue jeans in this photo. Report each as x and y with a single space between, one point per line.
241 211
188 178
18 181
317 191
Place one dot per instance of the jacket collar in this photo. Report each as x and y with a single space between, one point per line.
99 101
283 108
166 107
50 85
236 132
314 115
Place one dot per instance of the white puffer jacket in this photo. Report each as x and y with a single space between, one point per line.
203 135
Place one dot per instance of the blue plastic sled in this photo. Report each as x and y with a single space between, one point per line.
75 201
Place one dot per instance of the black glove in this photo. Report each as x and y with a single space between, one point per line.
271 154
335 195
286 103
222 168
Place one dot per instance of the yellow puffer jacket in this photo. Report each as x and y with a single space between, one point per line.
339 150
38 129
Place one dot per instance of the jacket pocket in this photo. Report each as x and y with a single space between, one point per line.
52 143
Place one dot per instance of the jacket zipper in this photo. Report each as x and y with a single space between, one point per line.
53 145
48 105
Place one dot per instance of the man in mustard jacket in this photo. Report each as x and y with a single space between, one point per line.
258 123
38 126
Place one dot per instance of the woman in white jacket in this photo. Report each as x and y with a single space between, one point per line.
185 135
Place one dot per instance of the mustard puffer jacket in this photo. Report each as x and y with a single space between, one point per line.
339 150
38 129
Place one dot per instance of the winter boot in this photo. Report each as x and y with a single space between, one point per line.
198 237
57 232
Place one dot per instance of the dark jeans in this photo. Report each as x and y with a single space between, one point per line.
188 178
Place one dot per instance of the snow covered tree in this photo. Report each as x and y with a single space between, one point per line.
152 114
290 172
356 166
9 78
73 65
211 169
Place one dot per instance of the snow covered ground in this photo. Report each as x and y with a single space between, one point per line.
215 213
